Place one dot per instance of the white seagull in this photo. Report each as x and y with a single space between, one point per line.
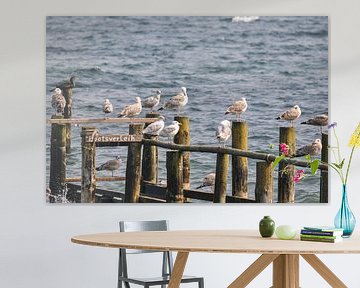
107 107
237 108
152 101
209 180
290 115
319 120
155 128
58 101
111 165
132 110
171 130
223 131
313 149
177 101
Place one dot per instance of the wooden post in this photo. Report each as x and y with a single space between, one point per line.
174 170
264 182
150 157
183 137
133 167
324 180
88 172
57 158
222 167
286 187
67 92
240 164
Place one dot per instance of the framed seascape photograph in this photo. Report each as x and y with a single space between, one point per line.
185 109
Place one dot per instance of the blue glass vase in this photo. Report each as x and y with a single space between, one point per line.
345 219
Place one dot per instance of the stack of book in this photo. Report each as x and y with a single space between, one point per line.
321 234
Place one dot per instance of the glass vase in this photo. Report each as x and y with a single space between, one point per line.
345 219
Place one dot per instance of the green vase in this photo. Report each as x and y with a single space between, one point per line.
266 226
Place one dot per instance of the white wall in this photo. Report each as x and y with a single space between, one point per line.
35 248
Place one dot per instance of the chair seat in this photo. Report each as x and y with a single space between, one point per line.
158 280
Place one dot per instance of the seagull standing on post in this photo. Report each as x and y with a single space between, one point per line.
58 101
223 131
155 128
171 130
237 108
319 120
290 115
177 101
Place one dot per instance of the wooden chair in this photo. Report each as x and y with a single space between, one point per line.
163 280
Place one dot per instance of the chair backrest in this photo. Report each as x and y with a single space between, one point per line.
134 226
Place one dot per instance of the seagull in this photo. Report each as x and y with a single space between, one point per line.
209 180
155 128
237 108
171 130
132 110
107 107
223 131
313 149
152 101
58 101
290 115
177 101
111 165
319 120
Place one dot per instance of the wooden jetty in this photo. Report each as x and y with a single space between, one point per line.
141 181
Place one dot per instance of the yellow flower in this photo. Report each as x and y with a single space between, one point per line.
355 138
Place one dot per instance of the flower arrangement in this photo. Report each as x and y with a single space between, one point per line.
339 163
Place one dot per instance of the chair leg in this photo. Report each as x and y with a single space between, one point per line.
201 283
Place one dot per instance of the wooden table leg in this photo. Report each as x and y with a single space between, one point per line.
178 270
286 271
324 271
253 270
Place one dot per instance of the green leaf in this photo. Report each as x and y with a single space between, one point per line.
308 158
314 166
277 161
342 163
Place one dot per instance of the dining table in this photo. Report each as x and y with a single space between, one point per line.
282 254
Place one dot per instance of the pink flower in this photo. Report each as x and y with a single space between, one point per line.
284 149
299 175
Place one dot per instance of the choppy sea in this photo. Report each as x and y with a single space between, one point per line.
275 62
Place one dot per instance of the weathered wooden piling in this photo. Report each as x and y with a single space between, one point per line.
67 92
57 158
174 170
324 180
222 167
264 182
183 137
150 157
88 172
286 187
240 164
133 167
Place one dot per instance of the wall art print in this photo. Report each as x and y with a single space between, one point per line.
186 109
